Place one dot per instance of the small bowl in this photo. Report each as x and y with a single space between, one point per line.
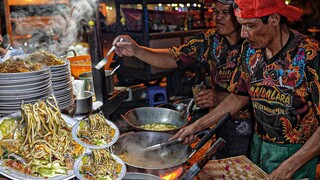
84 104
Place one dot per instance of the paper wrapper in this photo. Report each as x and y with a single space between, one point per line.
239 167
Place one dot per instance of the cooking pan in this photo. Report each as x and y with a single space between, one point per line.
150 115
130 148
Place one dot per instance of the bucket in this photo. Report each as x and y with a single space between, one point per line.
88 81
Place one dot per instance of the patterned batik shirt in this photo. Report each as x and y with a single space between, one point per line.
284 90
214 50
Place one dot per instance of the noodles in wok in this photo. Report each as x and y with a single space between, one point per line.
41 143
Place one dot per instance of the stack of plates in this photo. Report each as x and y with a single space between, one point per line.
62 85
16 88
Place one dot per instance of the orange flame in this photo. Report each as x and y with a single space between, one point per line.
172 175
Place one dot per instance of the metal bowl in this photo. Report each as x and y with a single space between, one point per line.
151 115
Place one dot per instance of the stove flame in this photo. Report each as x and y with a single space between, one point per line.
172 175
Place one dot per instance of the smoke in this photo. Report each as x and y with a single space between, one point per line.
53 27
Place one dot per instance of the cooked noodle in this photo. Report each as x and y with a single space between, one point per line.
96 130
101 165
45 138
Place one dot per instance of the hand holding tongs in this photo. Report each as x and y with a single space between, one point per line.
169 143
105 59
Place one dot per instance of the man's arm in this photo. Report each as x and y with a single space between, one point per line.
157 57
307 152
232 104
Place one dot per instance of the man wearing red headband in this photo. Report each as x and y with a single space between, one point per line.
218 49
280 73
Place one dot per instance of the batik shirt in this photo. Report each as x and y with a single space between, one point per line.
215 50
284 90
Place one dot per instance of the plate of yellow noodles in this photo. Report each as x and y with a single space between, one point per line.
95 132
36 143
99 164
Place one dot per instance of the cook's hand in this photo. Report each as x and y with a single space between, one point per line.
206 98
127 46
282 172
186 134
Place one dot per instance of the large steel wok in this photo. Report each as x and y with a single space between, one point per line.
151 115
130 148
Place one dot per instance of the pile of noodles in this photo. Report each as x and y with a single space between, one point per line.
30 63
97 129
45 136
101 165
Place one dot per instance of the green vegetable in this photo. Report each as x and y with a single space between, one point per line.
46 172
85 159
7 126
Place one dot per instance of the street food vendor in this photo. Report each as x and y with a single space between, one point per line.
218 49
280 73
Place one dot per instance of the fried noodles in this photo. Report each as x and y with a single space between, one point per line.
96 130
45 142
100 164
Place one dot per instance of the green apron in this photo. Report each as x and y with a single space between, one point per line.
268 156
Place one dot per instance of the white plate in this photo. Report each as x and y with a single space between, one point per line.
13 174
78 163
75 130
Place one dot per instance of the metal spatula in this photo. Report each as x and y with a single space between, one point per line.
105 60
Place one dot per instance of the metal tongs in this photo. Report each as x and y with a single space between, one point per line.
105 59
169 143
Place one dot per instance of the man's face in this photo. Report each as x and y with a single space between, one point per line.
259 35
226 22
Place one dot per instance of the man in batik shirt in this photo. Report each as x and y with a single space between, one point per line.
280 73
219 49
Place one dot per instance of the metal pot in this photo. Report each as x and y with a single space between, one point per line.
88 81
84 103
150 115
130 148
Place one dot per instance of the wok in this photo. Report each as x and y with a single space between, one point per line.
130 148
150 115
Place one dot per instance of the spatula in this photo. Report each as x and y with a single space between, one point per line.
105 60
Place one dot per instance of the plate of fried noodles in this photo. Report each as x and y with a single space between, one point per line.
36 143
95 132
99 164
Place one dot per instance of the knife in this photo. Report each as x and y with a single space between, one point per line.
195 168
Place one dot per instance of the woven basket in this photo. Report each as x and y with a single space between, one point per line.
239 167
